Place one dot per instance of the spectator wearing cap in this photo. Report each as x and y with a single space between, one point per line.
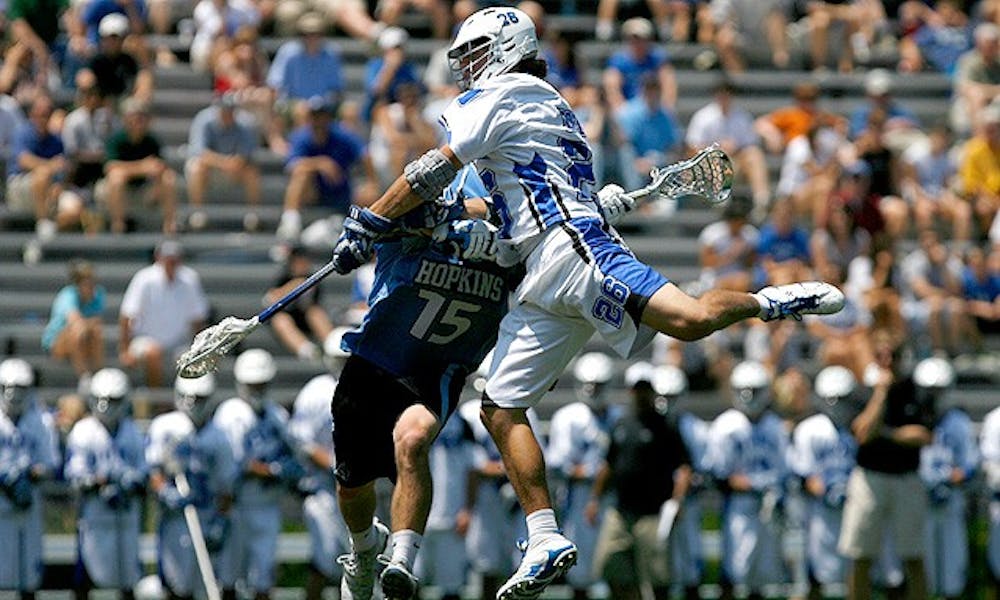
928 184
944 37
720 121
884 494
84 134
727 249
115 71
639 56
650 128
75 326
979 169
32 27
384 74
742 25
319 163
977 78
778 128
303 325
221 142
305 67
163 306
878 91
94 12
36 170
647 464
608 13
135 164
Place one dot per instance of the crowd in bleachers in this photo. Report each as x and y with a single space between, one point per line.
899 210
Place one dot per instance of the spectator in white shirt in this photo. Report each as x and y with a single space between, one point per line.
163 306
727 249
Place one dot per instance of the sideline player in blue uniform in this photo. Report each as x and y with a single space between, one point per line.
433 318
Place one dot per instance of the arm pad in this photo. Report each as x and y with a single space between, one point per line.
429 174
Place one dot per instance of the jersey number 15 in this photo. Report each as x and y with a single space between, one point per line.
440 312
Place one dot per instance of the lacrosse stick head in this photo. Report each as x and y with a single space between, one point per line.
708 175
213 343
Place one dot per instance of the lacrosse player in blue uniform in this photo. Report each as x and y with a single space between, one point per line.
947 465
28 454
105 462
823 454
186 441
531 153
989 449
310 430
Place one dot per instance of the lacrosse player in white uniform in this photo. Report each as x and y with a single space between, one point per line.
532 154
186 441
443 560
989 450
747 447
105 462
578 443
310 430
823 454
29 454
946 467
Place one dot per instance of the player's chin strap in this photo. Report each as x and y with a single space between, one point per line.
430 174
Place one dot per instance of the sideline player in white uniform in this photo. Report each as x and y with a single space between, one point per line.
443 560
823 454
685 548
105 462
578 443
989 449
28 454
746 453
310 430
267 467
187 441
532 154
946 467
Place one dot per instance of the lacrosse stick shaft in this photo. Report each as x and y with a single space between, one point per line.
293 295
198 541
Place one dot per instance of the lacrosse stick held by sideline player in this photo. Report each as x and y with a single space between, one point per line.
201 554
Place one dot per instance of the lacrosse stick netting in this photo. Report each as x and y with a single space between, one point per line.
708 175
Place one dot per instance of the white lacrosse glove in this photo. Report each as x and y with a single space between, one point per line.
469 239
614 203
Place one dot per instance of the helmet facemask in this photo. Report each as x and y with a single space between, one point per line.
468 61
14 400
752 401
255 394
109 410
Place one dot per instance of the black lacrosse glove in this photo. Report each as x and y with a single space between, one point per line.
357 241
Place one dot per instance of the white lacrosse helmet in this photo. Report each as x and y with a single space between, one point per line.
108 400
333 354
669 381
936 373
16 380
192 396
639 372
835 386
254 367
751 385
491 41
592 372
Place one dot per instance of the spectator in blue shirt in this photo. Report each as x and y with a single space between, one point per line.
36 170
319 162
651 129
385 74
878 89
981 289
944 37
95 10
74 330
222 141
639 56
782 248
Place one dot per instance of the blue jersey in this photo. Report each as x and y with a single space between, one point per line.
429 313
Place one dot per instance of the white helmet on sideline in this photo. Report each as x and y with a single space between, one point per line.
193 397
16 380
835 386
592 372
751 385
490 42
254 370
934 373
108 400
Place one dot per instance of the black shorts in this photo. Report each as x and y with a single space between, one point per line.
366 405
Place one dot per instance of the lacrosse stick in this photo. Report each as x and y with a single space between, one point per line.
214 342
198 540
708 175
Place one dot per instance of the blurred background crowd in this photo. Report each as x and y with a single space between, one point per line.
170 162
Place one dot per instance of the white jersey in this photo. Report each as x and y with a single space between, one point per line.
954 447
530 152
235 418
31 442
450 462
311 425
204 455
757 450
819 448
694 432
989 449
577 438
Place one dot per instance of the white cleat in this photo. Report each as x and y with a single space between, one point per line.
543 562
398 583
797 299
359 567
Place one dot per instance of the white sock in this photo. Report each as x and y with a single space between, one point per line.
765 305
363 540
405 544
541 522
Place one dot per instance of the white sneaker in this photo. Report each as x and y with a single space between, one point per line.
797 299
359 567
290 225
398 583
548 558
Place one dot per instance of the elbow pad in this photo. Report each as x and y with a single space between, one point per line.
429 175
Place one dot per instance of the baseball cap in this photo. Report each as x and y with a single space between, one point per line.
169 249
311 23
319 104
878 82
113 24
392 37
226 100
638 27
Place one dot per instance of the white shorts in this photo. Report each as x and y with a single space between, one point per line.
581 278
